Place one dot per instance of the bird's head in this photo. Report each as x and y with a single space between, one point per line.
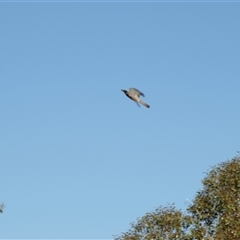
125 91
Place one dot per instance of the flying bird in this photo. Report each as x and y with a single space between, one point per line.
134 95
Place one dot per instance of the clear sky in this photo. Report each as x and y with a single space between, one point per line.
79 159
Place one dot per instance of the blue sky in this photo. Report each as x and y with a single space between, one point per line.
78 158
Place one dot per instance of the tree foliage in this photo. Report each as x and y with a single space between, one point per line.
213 214
217 206
164 223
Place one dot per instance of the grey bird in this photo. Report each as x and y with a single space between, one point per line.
134 95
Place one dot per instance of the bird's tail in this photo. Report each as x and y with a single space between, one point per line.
144 104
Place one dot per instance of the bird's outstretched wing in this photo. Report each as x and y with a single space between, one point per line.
136 91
